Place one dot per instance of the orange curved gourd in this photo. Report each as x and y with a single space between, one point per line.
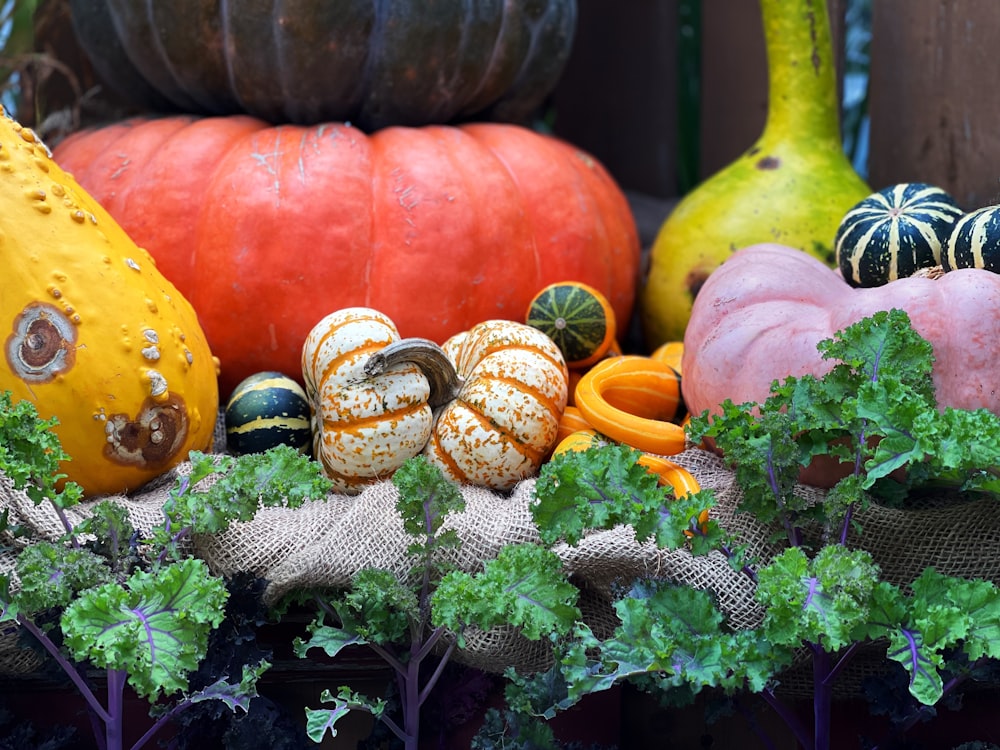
632 399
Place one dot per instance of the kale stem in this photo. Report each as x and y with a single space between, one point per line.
822 697
388 721
429 644
437 671
845 657
846 525
116 708
324 605
160 723
411 698
789 717
745 569
755 726
67 667
64 520
389 658
794 537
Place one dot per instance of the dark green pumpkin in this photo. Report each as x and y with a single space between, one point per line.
375 64
265 410
894 233
975 241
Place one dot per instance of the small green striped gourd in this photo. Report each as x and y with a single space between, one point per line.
577 317
975 241
364 427
265 410
894 233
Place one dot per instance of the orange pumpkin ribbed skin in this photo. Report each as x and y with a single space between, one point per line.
364 427
505 419
438 227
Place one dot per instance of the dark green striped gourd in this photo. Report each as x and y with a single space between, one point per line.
975 241
265 410
894 233
577 317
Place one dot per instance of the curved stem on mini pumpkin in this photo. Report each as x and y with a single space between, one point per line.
444 379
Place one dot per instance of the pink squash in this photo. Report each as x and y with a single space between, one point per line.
759 317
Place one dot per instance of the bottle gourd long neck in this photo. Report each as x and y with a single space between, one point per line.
802 78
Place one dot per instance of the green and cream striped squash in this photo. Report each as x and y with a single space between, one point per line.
975 241
265 410
577 317
894 233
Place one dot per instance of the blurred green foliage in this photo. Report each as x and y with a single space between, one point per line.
857 59
17 47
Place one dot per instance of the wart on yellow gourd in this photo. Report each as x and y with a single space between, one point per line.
93 333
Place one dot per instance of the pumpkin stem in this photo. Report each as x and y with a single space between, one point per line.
429 357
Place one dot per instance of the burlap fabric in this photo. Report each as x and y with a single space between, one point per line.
322 544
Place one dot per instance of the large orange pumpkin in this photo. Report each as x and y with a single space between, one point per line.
267 229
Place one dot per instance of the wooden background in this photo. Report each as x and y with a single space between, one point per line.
934 97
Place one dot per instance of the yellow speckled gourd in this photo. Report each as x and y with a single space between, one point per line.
94 335
793 186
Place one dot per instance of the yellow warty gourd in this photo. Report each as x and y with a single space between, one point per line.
93 334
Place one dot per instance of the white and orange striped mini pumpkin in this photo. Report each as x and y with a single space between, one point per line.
364 426
499 418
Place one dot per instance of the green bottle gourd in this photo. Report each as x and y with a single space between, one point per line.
793 186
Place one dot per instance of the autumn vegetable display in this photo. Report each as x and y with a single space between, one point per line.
94 335
142 620
824 598
350 221
265 229
792 186
314 62
524 586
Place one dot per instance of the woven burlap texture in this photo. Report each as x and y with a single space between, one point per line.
322 544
